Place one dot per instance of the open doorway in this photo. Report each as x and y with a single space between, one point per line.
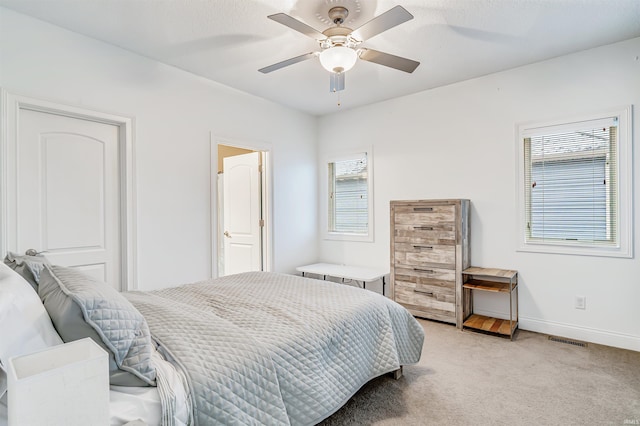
241 210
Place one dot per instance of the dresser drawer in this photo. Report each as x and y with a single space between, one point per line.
424 303
443 291
403 272
436 233
420 254
424 215
424 292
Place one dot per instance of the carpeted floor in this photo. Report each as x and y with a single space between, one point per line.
468 378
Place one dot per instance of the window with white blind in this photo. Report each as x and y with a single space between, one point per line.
349 201
574 194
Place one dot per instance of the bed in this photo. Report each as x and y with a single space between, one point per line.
252 348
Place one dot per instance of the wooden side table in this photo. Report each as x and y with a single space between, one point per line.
495 281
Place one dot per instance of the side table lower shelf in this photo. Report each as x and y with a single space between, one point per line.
491 325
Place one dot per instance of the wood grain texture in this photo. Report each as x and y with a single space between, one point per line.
421 254
429 249
425 271
488 286
427 293
491 272
491 325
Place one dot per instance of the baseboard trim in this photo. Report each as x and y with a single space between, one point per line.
592 335
586 334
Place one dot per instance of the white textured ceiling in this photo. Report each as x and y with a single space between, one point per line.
229 40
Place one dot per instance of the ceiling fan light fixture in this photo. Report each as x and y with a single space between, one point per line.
338 59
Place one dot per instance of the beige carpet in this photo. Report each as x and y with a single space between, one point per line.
468 378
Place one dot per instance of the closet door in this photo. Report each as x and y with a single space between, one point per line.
68 192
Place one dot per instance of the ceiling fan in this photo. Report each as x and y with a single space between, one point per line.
339 45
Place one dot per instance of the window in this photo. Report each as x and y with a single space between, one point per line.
348 197
574 186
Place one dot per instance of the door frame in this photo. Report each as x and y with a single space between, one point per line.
267 197
10 106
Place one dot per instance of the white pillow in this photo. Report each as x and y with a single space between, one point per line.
25 326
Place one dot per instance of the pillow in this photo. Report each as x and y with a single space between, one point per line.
81 306
25 326
3 381
27 266
4 411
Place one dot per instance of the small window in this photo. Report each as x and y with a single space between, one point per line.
348 197
572 200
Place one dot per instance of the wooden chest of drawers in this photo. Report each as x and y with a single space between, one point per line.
429 251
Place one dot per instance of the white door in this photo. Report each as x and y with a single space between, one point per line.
68 196
242 214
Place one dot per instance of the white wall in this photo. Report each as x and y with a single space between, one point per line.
459 142
454 142
174 113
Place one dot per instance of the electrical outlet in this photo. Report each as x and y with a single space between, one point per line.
581 302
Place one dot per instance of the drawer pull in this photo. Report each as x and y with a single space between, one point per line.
423 209
426 293
430 271
423 247
423 228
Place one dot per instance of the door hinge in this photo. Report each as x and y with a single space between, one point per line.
260 168
261 223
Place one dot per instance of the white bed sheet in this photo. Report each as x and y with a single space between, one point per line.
127 404
139 403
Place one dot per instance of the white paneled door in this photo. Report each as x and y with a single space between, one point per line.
68 192
242 214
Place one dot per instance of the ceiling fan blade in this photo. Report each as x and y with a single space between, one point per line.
388 60
389 19
294 24
288 62
336 81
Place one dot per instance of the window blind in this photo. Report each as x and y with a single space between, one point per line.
571 183
348 196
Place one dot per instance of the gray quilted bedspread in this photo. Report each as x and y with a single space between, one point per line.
267 348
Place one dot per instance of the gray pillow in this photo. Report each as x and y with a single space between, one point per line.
27 266
81 306
3 381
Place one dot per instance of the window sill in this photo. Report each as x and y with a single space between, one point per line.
550 248
338 236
